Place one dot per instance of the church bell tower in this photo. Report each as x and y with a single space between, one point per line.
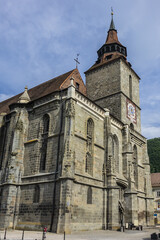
112 83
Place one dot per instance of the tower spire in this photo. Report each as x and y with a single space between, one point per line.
112 25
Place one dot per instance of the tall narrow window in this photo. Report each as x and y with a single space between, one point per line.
89 163
44 140
36 196
135 165
130 87
90 141
89 195
115 152
45 124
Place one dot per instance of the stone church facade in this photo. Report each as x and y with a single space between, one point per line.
72 157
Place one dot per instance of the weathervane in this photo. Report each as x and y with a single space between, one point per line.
111 11
76 60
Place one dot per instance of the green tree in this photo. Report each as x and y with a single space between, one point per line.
154 154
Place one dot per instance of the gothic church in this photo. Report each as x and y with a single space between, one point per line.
72 156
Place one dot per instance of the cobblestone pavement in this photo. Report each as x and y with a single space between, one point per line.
87 235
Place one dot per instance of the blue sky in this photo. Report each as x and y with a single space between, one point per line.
39 40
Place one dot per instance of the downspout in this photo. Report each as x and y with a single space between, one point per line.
17 201
57 163
107 209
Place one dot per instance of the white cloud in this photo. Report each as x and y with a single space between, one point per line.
150 131
40 39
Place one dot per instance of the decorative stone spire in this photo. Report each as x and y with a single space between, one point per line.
71 89
24 98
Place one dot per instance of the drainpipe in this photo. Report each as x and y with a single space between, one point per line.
17 201
107 209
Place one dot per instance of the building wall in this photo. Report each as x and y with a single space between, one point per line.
125 73
87 215
156 194
103 81
117 185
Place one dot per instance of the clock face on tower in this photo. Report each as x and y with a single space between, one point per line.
131 111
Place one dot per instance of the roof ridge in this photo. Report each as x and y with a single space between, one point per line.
50 80
36 86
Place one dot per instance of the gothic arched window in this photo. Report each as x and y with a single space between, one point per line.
132 126
89 164
45 123
90 142
89 195
44 140
90 128
115 152
36 196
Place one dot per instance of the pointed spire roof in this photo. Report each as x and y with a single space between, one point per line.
112 33
24 98
112 49
112 25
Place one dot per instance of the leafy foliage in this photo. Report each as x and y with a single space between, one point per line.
154 154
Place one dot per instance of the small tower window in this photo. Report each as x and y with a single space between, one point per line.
113 48
132 126
109 57
77 86
122 50
107 49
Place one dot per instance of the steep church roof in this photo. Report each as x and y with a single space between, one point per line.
56 84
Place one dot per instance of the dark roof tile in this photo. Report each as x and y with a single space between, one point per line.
46 88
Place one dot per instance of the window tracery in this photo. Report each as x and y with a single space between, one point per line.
90 142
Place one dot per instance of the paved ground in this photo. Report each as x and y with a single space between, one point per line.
88 235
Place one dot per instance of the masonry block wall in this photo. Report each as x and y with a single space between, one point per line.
70 165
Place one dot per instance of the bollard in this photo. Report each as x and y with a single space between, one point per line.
64 235
154 236
5 233
23 235
122 229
